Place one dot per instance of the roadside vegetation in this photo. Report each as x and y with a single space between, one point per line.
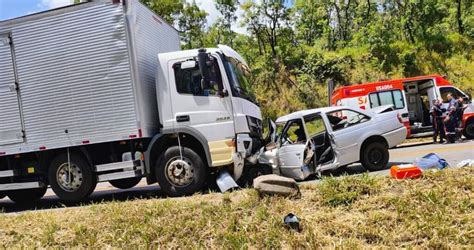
295 46
435 211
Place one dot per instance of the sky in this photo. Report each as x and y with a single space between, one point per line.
15 8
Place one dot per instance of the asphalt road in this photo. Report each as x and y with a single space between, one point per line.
453 153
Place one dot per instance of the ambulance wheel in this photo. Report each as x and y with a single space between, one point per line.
27 196
125 183
374 156
74 182
180 174
469 129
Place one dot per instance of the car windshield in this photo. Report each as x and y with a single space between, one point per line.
240 79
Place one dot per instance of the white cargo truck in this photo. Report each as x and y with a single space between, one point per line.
100 91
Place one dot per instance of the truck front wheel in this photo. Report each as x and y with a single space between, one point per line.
27 196
71 181
374 156
180 173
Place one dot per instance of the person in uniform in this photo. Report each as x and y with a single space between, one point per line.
451 119
438 125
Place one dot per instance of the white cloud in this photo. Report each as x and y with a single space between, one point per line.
51 4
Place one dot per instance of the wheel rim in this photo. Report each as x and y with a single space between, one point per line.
375 156
179 171
69 178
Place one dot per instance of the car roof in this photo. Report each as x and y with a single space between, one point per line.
300 114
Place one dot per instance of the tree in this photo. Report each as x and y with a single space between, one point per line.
191 24
227 9
169 10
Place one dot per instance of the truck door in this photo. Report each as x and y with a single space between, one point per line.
206 109
11 129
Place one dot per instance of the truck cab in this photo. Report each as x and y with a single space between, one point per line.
206 105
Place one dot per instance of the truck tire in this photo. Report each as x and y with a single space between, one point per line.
469 129
26 196
180 175
125 183
74 187
374 156
252 172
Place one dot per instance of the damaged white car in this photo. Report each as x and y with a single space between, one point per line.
311 141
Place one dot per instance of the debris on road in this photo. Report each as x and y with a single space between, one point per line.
430 161
405 171
466 163
292 222
276 185
225 182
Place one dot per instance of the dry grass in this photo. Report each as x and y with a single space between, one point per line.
435 211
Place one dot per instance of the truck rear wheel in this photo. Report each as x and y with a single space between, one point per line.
71 182
27 196
125 183
469 129
180 174
374 156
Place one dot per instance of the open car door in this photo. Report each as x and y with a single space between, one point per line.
291 152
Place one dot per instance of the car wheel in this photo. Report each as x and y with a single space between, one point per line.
469 129
74 181
252 172
27 196
374 156
125 183
180 174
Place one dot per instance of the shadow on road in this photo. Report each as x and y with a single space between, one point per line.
53 202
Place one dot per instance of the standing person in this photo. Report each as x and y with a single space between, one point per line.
459 114
438 125
451 119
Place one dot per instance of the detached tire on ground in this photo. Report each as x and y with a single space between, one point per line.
180 176
71 183
27 196
125 183
374 156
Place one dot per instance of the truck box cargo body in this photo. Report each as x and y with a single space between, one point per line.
79 75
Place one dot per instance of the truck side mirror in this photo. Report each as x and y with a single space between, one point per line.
204 61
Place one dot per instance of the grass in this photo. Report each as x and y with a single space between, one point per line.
435 211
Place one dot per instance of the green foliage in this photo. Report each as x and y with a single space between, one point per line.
335 192
294 46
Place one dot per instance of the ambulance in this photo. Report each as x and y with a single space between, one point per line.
413 97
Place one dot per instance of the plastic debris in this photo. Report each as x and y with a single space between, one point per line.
431 161
291 221
466 163
405 171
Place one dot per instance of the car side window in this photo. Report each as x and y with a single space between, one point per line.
345 118
293 133
314 125
188 80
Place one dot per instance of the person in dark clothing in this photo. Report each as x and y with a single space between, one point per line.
438 125
451 119
459 114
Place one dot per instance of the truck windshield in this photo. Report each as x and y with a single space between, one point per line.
240 79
